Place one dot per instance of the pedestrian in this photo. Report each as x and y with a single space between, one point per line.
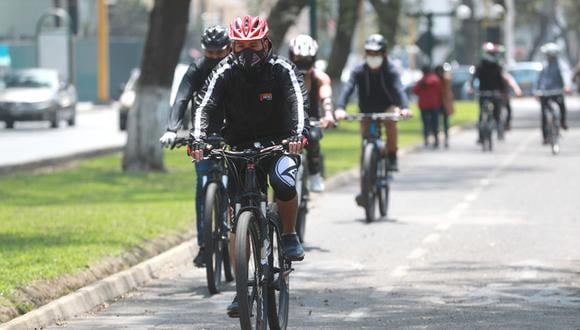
447 108
576 77
429 89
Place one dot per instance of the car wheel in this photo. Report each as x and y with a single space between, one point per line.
9 124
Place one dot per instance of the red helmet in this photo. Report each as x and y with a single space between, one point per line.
249 28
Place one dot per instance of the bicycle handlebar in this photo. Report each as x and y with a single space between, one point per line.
549 92
375 116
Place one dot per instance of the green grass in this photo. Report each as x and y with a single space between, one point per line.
60 222
342 146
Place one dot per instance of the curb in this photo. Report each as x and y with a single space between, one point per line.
94 295
91 296
58 161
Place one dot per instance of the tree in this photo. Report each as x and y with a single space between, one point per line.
282 16
147 117
388 17
347 18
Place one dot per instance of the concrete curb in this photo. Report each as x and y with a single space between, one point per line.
57 161
89 297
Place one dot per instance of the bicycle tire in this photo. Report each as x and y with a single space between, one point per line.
279 288
369 182
555 134
302 189
249 282
301 222
384 189
211 235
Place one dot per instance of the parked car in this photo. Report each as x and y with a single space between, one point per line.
526 74
460 75
35 95
127 97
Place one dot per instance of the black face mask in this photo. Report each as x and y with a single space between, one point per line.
304 64
249 60
211 62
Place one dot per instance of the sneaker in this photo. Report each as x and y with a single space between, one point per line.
360 200
563 124
293 250
392 162
446 143
199 260
508 126
316 183
233 309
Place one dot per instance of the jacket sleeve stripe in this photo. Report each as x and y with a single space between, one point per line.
208 94
298 94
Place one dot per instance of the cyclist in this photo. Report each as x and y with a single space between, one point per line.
379 90
302 51
263 99
216 46
491 79
551 79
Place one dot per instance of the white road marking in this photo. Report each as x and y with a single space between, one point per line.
400 271
432 238
417 253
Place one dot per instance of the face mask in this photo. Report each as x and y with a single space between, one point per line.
304 64
374 62
249 59
212 62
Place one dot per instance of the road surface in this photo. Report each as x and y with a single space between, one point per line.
472 240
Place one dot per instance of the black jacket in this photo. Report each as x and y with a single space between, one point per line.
490 76
191 83
377 90
268 106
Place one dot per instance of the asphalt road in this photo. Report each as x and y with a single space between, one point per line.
34 141
472 240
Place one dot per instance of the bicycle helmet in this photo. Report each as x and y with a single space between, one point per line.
215 38
490 51
249 28
302 51
550 49
376 43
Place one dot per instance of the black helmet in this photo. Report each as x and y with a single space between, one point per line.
376 42
215 38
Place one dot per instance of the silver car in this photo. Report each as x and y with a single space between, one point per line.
37 94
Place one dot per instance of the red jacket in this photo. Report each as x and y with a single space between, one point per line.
429 89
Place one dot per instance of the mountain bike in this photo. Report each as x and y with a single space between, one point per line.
216 226
489 101
552 117
375 179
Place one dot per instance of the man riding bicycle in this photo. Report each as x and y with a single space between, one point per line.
216 46
491 80
263 100
551 79
379 90
302 51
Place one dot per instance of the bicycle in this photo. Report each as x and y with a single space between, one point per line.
375 179
215 219
262 272
552 117
487 121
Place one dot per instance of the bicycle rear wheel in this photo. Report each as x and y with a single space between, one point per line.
279 288
302 188
369 179
383 191
216 247
555 135
250 285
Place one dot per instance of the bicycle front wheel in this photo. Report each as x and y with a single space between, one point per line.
369 179
250 284
279 288
383 191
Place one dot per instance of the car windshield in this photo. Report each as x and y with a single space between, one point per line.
525 75
32 79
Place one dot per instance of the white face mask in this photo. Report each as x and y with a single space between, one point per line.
374 62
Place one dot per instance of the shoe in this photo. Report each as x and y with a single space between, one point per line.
436 145
392 165
360 200
545 141
293 250
563 125
446 143
316 183
199 260
508 126
233 309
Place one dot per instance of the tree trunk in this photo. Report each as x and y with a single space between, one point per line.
282 16
347 18
468 40
388 15
148 115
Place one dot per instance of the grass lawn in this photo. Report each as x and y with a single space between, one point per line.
59 222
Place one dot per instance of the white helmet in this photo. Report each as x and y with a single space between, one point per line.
303 45
550 49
